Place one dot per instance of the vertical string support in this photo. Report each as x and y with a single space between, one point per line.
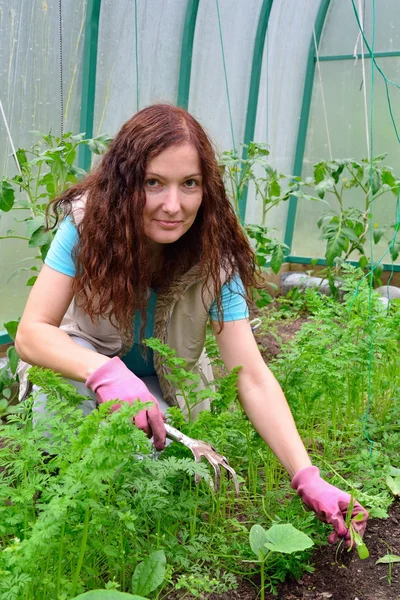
61 71
137 57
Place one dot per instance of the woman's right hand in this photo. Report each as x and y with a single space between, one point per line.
113 380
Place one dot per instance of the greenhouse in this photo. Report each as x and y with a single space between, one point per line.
199 211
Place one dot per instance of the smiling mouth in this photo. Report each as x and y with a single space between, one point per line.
168 223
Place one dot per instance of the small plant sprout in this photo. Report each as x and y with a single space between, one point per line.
388 559
355 538
278 538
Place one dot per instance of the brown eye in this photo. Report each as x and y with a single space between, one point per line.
191 183
152 183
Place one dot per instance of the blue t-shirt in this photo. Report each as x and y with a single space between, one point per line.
60 258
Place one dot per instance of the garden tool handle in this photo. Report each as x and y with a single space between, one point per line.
177 436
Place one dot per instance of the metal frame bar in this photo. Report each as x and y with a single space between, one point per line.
89 78
304 117
303 260
185 69
353 56
254 89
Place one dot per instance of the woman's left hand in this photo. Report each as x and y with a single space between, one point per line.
329 503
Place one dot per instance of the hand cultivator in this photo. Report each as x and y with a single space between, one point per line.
200 449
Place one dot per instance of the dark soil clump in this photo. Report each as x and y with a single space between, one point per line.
271 342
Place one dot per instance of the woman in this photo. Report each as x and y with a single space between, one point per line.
150 245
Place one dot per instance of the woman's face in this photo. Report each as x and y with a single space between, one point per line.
173 187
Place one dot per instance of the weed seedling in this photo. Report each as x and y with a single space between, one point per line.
355 538
278 538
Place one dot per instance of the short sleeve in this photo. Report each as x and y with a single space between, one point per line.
60 255
233 302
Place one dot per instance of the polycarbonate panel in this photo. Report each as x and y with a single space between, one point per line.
341 30
342 83
281 94
160 31
30 94
208 98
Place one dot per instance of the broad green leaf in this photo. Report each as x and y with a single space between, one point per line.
31 280
324 186
319 172
375 182
334 248
377 233
11 328
277 258
350 234
257 539
107 595
394 471
13 359
7 196
393 484
274 189
362 551
388 178
41 237
21 156
394 250
33 225
388 559
363 262
150 573
287 539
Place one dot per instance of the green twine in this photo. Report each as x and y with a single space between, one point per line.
374 265
371 320
221 39
385 79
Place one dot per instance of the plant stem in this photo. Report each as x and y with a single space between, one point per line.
82 551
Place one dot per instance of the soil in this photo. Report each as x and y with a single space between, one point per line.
339 575
270 342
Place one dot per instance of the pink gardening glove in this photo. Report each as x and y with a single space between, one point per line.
329 503
114 380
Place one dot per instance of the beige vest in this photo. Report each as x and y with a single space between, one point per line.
181 317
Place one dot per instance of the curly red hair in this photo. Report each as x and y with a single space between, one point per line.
113 275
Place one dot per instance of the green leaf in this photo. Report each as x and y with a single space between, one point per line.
7 394
13 359
393 484
350 234
388 559
257 539
362 551
107 595
378 233
31 280
277 258
375 181
319 172
150 573
287 539
394 250
7 196
11 328
363 262
41 237
33 225
21 157
378 513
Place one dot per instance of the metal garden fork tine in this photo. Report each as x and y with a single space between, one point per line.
202 449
